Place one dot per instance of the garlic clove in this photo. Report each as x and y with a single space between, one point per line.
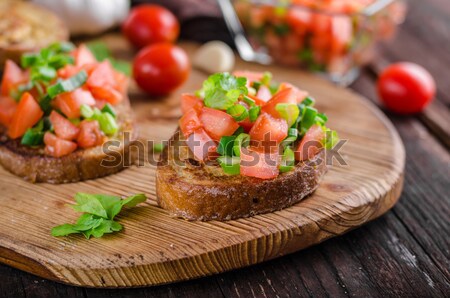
214 56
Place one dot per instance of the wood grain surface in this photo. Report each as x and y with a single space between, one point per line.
155 248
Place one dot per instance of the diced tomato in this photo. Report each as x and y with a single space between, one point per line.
69 103
252 76
121 82
90 134
7 108
217 123
110 95
201 144
258 101
12 77
269 131
83 56
189 101
102 83
341 34
284 96
264 93
100 104
311 143
298 19
255 163
27 114
189 122
64 129
71 70
57 147
300 94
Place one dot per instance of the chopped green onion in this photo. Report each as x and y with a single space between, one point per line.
266 78
308 101
45 73
230 165
238 112
226 145
242 140
321 118
331 139
308 119
288 141
109 109
293 132
287 160
238 131
107 123
256 85
34 136
274 88
251 91
289 112
45 104
86 111
249 101
67 85
159 147
253 113
75 121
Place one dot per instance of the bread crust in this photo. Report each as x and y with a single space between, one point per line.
34 165
196 191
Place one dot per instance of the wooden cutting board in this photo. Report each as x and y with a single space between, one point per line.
155 248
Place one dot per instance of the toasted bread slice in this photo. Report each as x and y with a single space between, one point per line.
34 165
195 191
26 27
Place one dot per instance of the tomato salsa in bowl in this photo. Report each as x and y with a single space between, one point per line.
332 37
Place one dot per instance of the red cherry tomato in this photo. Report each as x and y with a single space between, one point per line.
161 68
147 24
406 88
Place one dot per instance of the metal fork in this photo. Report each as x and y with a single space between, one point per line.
243 46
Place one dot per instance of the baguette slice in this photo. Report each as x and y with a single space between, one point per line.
195 191
26 27
34 165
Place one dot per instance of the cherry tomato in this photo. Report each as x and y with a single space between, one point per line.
406 88
161 68
148 24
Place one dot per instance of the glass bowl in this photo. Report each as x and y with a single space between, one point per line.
335 39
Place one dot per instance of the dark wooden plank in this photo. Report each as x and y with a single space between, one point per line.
425 206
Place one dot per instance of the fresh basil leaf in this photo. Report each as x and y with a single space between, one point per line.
89 203
64 230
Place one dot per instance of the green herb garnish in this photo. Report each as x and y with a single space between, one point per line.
230 165
226 145
287 160
253 113
242 140
222 90
288 112
98 214
238 112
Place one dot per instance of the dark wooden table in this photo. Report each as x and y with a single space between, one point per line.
405 253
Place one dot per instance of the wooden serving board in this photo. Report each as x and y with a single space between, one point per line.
155 248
